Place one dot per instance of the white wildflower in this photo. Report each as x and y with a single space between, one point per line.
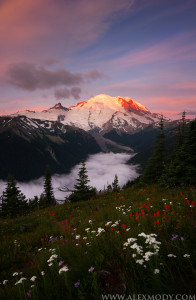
63 269
5 281
100 230
139 261
186 255
15 274
52 257
156 271
20 280
33 278
171 255
131 240
108 223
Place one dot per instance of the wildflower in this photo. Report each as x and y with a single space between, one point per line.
42 273
52 257
108 223
139 261
130 240
29 293
15 274
76 284
20 280
50 264
5 281
91 269
186 255
32 286
171 255
123 226
77 237
156 271
174 236
87 229
63 269
33 278
147 255
100 230
60 263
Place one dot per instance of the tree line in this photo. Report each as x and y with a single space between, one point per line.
14 202
179 168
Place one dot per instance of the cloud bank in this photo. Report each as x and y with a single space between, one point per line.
101 169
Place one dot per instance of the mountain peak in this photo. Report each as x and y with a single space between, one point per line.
113 103
58 106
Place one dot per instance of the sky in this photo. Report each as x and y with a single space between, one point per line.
68 51
101 168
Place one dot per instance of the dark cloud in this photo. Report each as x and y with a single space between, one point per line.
51 61
75 92
32 77
94 75
64 93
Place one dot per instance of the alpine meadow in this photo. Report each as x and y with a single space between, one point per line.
97 191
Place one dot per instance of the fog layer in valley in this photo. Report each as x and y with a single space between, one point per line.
101 168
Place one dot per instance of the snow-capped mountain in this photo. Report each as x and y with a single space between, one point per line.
101 113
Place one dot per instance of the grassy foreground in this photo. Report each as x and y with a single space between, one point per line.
137 241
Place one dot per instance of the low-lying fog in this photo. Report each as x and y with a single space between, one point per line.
101 168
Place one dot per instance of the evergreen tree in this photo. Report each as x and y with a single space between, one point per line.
82 191
190 151
174 173
48 190
13 201
33 203
115 185
109 188
156 163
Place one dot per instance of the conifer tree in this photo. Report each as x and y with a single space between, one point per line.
190 151
82 191
156 163
34 203
13 201
174 173
115 185
48 189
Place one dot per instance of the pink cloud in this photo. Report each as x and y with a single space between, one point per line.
34 28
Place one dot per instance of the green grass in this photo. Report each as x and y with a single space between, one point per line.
119 264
